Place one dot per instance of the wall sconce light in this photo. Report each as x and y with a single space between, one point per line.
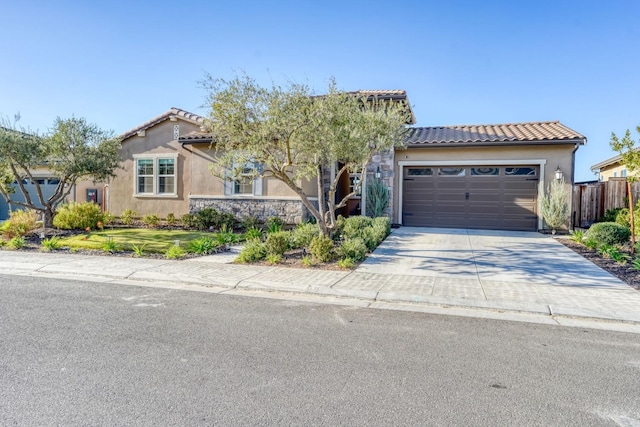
559 174
378 173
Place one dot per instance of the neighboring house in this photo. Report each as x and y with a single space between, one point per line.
610 168
484 176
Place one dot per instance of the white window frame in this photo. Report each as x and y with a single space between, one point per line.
156 174
230 185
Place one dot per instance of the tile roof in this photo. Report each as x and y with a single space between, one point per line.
172 112
195 137
534 132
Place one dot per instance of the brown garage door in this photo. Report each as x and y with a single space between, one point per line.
491 197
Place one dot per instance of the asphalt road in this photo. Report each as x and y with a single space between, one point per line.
74 353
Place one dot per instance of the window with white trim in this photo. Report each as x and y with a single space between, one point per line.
156 176
247 184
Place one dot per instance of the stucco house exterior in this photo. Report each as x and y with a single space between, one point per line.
473 176
610 168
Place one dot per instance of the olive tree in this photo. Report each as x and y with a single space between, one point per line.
297 136
630 157
71 151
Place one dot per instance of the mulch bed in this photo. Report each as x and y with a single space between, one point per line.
624 272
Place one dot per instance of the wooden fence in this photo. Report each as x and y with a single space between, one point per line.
591 200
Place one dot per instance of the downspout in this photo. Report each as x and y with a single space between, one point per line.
573 179
190 172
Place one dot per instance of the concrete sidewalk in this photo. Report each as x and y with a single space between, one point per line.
470 279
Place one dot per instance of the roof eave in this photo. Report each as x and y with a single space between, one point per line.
574 141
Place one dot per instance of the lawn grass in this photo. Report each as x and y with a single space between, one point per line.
154 240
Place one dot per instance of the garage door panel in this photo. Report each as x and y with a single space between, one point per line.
494 201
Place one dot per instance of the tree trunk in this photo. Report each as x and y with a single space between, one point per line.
48 217
632 218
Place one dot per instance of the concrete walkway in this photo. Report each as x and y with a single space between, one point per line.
480 273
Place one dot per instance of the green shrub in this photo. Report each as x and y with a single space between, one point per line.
50 244
253 251
321 248
609 233
19 223
171 219
128 216
17 242
107 218
138 250
208 218
377 197
274 224
346 263
307 261
203 245
249 222
591 243
110 245
253 233
189 220
277 243
151 220
356 249
302 235
226 220
384 223
78 216
354 225
577 236
611 215
273 259
174 252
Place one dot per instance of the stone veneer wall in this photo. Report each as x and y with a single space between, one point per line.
291 211
384 160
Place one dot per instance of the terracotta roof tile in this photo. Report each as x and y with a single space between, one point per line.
500 133
172 112
193 137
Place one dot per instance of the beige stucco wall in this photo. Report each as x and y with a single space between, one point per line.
193 175
551 157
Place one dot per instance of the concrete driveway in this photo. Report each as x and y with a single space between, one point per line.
503 267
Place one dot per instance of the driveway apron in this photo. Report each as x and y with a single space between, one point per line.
501 268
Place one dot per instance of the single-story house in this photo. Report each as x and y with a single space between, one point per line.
473 176
610 168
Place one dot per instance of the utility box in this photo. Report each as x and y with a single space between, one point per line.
94 195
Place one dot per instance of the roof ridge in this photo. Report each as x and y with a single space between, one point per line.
492 124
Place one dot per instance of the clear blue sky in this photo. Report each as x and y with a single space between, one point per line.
120 63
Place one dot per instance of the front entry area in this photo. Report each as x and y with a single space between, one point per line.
486 197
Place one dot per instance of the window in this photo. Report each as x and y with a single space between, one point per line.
623 173
244 185
156 176
419 171
354 180
615 174
520 171
247 184
451 171
485 171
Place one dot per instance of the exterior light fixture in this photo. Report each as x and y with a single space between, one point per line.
559 174
378 173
